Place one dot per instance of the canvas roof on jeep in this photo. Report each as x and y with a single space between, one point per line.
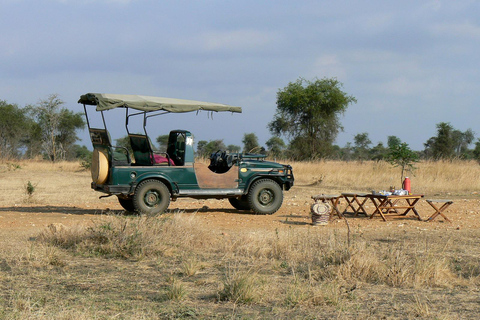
105 101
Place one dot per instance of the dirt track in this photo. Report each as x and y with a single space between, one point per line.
222 218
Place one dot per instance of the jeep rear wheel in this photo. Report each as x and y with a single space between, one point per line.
151 197
127 204
240 203
265 196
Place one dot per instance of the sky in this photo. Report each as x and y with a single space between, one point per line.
409 64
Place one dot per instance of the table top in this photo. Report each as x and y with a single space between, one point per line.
393 196
353 194
325 196
439 200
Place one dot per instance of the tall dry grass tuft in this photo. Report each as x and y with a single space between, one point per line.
296 293
239 286
433 270
130 237
176 290
398 267
191 266
364 265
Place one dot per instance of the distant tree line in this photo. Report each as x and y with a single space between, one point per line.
304 127
46 130
449 143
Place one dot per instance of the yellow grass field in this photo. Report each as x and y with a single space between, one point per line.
66 254
443 177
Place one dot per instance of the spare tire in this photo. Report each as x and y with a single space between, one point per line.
99 167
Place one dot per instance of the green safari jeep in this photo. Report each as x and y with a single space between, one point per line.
147 183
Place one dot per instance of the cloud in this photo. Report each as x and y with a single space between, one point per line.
466 30
329 65
228 41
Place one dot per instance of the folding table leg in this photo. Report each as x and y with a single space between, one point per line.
380 206
349 204
412 203
360 208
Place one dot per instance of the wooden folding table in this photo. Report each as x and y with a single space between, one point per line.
385 204
355 202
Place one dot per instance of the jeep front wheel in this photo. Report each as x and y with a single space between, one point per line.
151 197
265 197
240 203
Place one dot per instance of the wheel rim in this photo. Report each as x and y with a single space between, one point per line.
265 197
152 198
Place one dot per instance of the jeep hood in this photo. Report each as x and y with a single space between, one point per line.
105 101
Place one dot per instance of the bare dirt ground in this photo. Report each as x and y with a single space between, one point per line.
221 217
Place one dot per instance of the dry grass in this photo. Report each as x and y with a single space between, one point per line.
57 183
300 272
175 266
433 178
455 177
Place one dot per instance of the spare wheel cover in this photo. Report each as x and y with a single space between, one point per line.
99 167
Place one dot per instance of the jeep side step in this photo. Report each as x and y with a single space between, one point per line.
210 193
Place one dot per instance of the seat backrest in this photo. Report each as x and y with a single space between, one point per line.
142 150
100 137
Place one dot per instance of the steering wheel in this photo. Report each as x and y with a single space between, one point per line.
219 151
216 155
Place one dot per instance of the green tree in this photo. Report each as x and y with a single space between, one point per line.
14 125
361 146
393 141
402 156
124 142
276 146
428 148
308 114
84 155
205 149
81 152
449 142
442 146
250 142
69 123
476 151
201 148
345 153
461 141
55 127
162 142
232 148
379 152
